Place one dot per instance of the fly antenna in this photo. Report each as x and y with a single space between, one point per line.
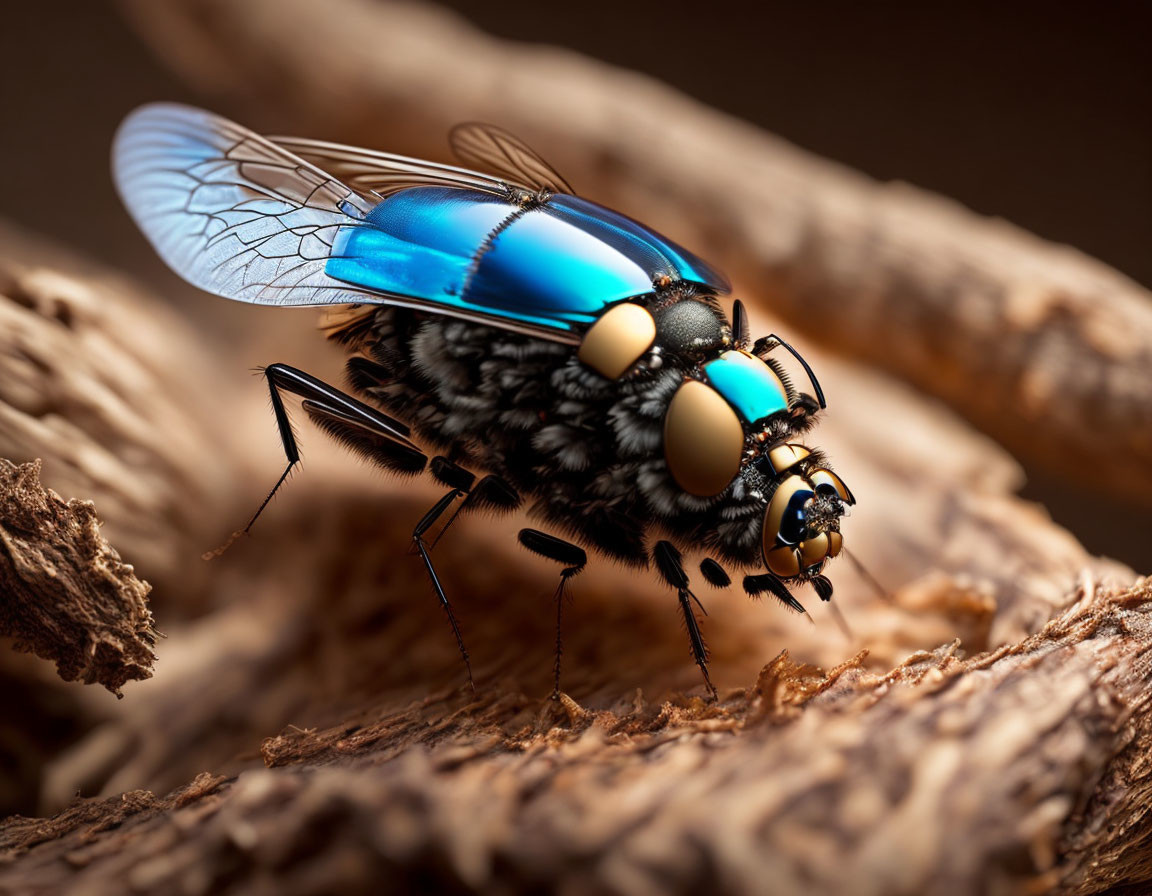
741 333
883 593
841 621
765 345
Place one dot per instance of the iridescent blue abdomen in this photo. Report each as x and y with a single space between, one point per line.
557 263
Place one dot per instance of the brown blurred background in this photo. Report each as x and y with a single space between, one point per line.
1038 113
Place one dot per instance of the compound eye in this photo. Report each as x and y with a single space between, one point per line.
814 550
783 561
703 440
828 483
783 457
785 520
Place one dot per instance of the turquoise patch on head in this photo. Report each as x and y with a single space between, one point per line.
748 384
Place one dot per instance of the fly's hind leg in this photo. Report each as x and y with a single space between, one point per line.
372 434
574 560
670 565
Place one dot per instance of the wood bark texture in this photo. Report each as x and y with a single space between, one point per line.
983 727
1020 770
101 384
65 594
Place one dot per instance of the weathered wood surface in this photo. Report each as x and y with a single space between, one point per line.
307 720
326 660
1022 770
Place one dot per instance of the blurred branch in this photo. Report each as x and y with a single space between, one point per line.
1045 349
109 389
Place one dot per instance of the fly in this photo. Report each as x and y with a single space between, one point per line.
520 344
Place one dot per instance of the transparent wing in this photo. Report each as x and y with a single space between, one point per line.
230 212
240 216
490 148
382 173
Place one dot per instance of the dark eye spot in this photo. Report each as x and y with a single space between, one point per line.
794 521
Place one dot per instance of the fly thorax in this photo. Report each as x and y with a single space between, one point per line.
691 329
628 337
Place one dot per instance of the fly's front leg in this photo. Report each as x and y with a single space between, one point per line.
670 565
574 559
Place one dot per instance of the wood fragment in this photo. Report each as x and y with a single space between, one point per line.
65 594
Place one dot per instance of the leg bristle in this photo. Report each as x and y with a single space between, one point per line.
770 584
372 446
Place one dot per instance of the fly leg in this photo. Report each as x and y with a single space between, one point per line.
370 433
364 429
770 584
426 522
491 493
574 559
714 573
670 565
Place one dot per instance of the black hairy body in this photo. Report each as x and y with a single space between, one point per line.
586 452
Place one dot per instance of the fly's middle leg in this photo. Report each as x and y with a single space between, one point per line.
489 492
670 565
574 560
426 522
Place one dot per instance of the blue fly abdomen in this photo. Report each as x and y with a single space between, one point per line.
656 254
419 243
559 263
